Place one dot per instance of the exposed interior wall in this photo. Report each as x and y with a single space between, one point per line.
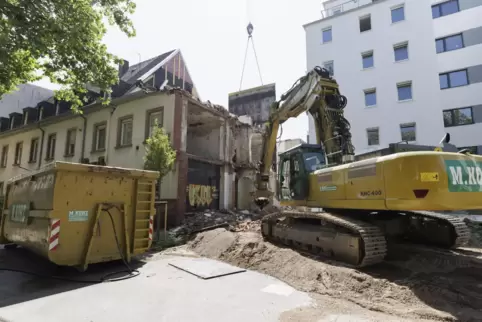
204 143
227 188
245 187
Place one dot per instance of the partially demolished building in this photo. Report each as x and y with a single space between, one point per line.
214 164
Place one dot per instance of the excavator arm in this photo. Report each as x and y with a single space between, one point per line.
316 93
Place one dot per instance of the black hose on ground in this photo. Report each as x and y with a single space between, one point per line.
131 272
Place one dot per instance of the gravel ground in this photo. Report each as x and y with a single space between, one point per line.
420 284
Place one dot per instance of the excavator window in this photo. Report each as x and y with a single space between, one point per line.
293 177
313 161
284 180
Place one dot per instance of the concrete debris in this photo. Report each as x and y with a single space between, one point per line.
196 222
199 221
247 226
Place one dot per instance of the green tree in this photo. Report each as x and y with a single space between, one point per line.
160 156
61 40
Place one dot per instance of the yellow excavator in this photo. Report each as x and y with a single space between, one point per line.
348 210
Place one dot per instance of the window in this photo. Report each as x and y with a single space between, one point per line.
51 141
401 52
70 142
124 134
445 8
18 153
449 43
4 156
100 131
154 118
408 132
458 116
336 10
454 79
373 136
33 150
284 179
370 97
329 65
150 81
327 35
365 23
398 14
367 60
404 91
2 186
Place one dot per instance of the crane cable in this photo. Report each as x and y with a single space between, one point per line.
250 29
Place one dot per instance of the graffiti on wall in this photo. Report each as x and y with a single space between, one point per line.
201 195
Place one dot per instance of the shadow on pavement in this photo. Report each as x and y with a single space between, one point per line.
16 287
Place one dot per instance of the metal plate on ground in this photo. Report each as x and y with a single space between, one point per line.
205 268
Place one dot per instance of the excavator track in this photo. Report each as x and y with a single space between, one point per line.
460 233
348 240
357 242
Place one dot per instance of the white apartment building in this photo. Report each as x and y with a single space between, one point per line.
411 69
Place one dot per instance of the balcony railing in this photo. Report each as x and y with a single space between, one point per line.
343 7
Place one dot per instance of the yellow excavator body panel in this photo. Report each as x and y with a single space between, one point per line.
432 181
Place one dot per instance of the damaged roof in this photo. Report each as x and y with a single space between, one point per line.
137 70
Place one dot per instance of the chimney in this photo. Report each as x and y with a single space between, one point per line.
123 68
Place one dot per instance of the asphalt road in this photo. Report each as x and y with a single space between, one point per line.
161 291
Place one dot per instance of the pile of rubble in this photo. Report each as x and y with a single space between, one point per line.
209 219
195 222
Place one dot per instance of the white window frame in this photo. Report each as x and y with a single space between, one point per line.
70 141
395 8
331 32
332 63
4 157
123 123
404 84
368 137
369 16
18 153
370 91
405 125
51 147
97 142
398 46
336 10
33 150
367 54
157 115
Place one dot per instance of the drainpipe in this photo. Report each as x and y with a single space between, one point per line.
84 135
41 146
107 143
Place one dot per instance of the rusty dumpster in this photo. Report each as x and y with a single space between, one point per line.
76 214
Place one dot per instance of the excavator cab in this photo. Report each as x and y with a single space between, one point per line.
295 166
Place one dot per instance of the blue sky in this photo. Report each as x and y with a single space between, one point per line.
212 37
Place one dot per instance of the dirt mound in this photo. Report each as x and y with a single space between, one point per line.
420 285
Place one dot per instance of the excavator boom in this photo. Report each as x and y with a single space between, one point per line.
316 93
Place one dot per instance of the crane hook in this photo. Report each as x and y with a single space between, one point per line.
250 28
